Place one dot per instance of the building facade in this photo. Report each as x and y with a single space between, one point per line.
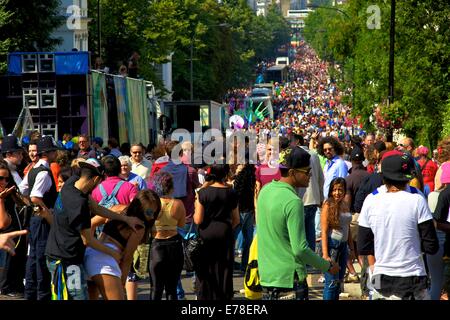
74 31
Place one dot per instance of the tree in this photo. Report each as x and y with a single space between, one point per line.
227 40
27 25
422 60
5 44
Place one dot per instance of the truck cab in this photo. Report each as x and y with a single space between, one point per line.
284 61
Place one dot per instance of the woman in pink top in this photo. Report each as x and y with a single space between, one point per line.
266 172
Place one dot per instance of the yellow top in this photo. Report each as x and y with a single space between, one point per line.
165 221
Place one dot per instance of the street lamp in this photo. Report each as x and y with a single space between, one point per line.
329 8
391 53
390 133
191 59
99 33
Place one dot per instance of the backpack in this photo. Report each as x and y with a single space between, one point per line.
109 201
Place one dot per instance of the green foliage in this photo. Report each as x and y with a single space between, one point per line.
422 60
27 26
446 122
227 40
5 44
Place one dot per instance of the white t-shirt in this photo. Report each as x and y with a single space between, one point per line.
394 218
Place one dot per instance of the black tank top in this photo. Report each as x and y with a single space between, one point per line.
111 228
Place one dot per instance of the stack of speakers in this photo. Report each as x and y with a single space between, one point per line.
39 91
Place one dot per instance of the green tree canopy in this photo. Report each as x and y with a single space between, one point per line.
421 60
27 26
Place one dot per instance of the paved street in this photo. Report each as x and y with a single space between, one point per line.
351 290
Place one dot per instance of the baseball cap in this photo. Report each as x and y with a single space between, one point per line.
397 168
445 176
92 164
293 158
357 154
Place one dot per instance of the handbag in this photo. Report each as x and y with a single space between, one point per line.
192 244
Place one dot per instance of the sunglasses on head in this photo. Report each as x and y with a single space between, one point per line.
149 213
306 171
4 178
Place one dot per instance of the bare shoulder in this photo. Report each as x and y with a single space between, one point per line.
178 204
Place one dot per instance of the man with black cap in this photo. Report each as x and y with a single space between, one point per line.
13 155
283 250
395 227
41 187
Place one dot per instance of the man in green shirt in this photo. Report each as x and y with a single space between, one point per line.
283 251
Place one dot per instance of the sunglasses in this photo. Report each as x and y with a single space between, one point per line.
328 149
306 171
149 213
4 178
136 152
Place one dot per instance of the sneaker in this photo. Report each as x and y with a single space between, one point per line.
351 278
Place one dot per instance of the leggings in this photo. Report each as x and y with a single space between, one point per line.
166 264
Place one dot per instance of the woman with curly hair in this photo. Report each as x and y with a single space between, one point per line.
335 224
166 255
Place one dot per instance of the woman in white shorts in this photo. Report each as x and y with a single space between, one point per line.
107 274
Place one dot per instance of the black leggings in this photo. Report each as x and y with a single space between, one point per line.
166 264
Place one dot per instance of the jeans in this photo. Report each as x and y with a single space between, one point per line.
76 279
37 276
310 227
246 226
299 291
166 264
436 268
338 252
399 288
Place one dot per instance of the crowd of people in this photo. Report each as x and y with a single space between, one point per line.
78 219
